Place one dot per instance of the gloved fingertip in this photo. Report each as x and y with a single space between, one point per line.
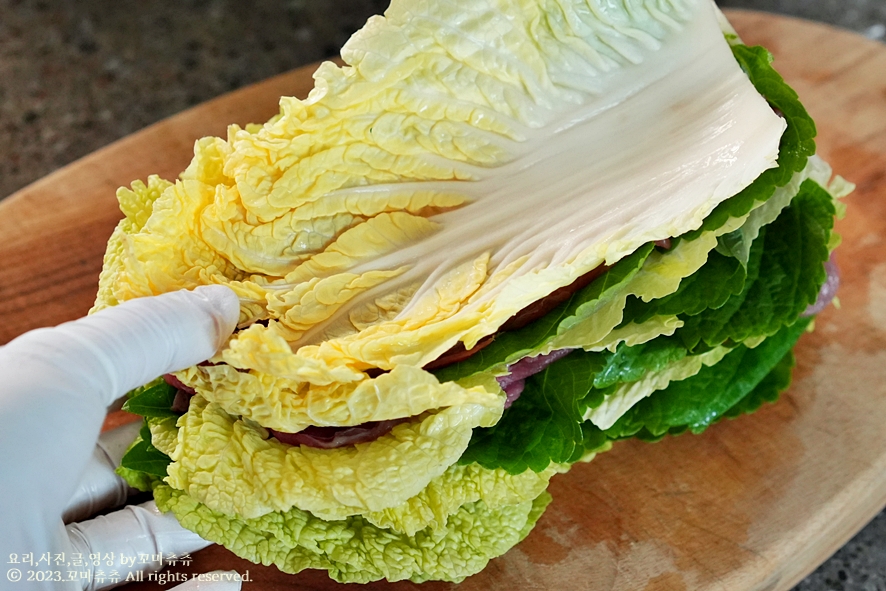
224 306
223 300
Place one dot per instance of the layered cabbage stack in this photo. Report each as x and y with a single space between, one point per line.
507 234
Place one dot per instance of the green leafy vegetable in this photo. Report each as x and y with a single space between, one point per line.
768 390
698 401
153 400
785 273
545 424
733 245
719 280
629 364
137 480
142 457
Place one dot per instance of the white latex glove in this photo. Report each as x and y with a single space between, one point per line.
55 388
99 487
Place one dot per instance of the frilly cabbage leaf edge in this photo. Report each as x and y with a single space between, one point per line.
651 339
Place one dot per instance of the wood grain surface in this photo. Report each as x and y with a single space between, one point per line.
751 504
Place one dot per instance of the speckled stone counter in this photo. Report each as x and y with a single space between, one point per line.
76 75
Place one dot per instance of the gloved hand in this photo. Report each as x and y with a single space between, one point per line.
56 386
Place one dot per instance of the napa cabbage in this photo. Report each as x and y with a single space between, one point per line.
469 159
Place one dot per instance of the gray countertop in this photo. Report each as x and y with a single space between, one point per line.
78 74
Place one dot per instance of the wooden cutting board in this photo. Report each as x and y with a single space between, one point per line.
752 504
